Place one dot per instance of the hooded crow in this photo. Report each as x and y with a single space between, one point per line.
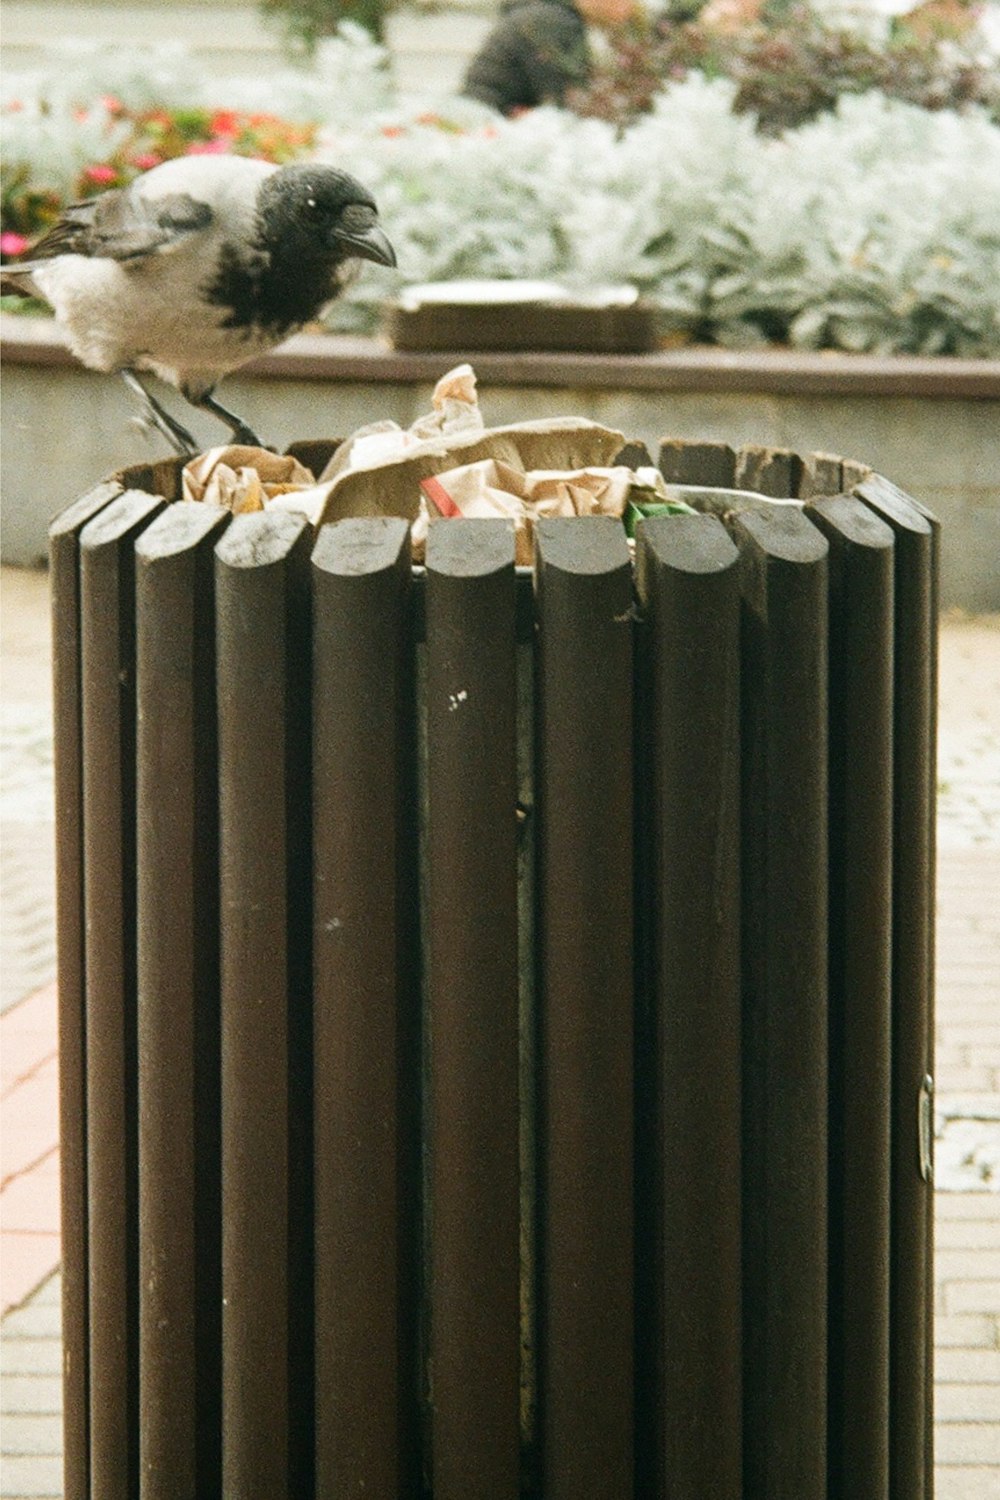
197 266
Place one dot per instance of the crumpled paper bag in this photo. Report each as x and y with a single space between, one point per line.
244 479
549 466
455 411
379 470
493 488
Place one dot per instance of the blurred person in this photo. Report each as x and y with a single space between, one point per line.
538 51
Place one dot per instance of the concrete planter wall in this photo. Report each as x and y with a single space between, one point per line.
931 425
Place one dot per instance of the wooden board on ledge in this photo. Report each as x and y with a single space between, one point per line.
516 327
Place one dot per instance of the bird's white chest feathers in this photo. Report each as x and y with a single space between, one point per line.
114 313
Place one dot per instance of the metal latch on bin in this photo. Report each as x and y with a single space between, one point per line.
925 1127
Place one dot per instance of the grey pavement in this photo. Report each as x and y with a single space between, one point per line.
31 1412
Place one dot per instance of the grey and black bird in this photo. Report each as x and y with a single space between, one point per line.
197 266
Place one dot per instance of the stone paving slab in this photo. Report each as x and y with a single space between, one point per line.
967 1066
31 1397
27 908
29 1147
27 897
969 733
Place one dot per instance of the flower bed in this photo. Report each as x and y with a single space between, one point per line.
873 227
130 141
788 65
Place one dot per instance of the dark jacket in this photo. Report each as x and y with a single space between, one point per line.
536 51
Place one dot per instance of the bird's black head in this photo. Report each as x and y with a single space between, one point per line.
315 213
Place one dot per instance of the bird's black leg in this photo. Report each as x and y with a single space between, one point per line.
240 431
177 436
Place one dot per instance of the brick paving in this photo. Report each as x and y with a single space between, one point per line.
967 1272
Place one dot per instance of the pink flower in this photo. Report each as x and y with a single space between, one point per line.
12 244
208 148
99 173
146 160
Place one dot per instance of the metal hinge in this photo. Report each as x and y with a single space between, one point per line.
925 1127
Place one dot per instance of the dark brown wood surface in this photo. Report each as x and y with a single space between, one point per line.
67 715
584 946
689 1387
366 968
262 634
180 1297
911 1369
784 834
107 612
861 835
473 1121
528 1094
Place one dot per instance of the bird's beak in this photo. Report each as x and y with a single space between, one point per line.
369 243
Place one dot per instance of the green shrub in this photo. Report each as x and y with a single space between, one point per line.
305 22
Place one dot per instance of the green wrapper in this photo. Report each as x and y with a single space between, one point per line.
640 510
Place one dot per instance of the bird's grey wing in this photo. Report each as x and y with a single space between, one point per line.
121 226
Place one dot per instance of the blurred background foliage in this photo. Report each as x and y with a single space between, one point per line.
760 172
788 63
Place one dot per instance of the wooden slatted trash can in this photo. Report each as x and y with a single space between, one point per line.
496 1003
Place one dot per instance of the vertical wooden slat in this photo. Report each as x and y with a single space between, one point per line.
914 740
107 604
473 999
162 477
784 792
770 471
366 1013
64 590
821 475
689 1129
585 980
314 453
262 635
634 455
855 473
861 683
711 464
180 1298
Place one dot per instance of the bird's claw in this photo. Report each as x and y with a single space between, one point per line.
157 416
247 438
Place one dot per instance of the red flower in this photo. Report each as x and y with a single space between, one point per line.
146 160
100 173
208 148
112 105
224 122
